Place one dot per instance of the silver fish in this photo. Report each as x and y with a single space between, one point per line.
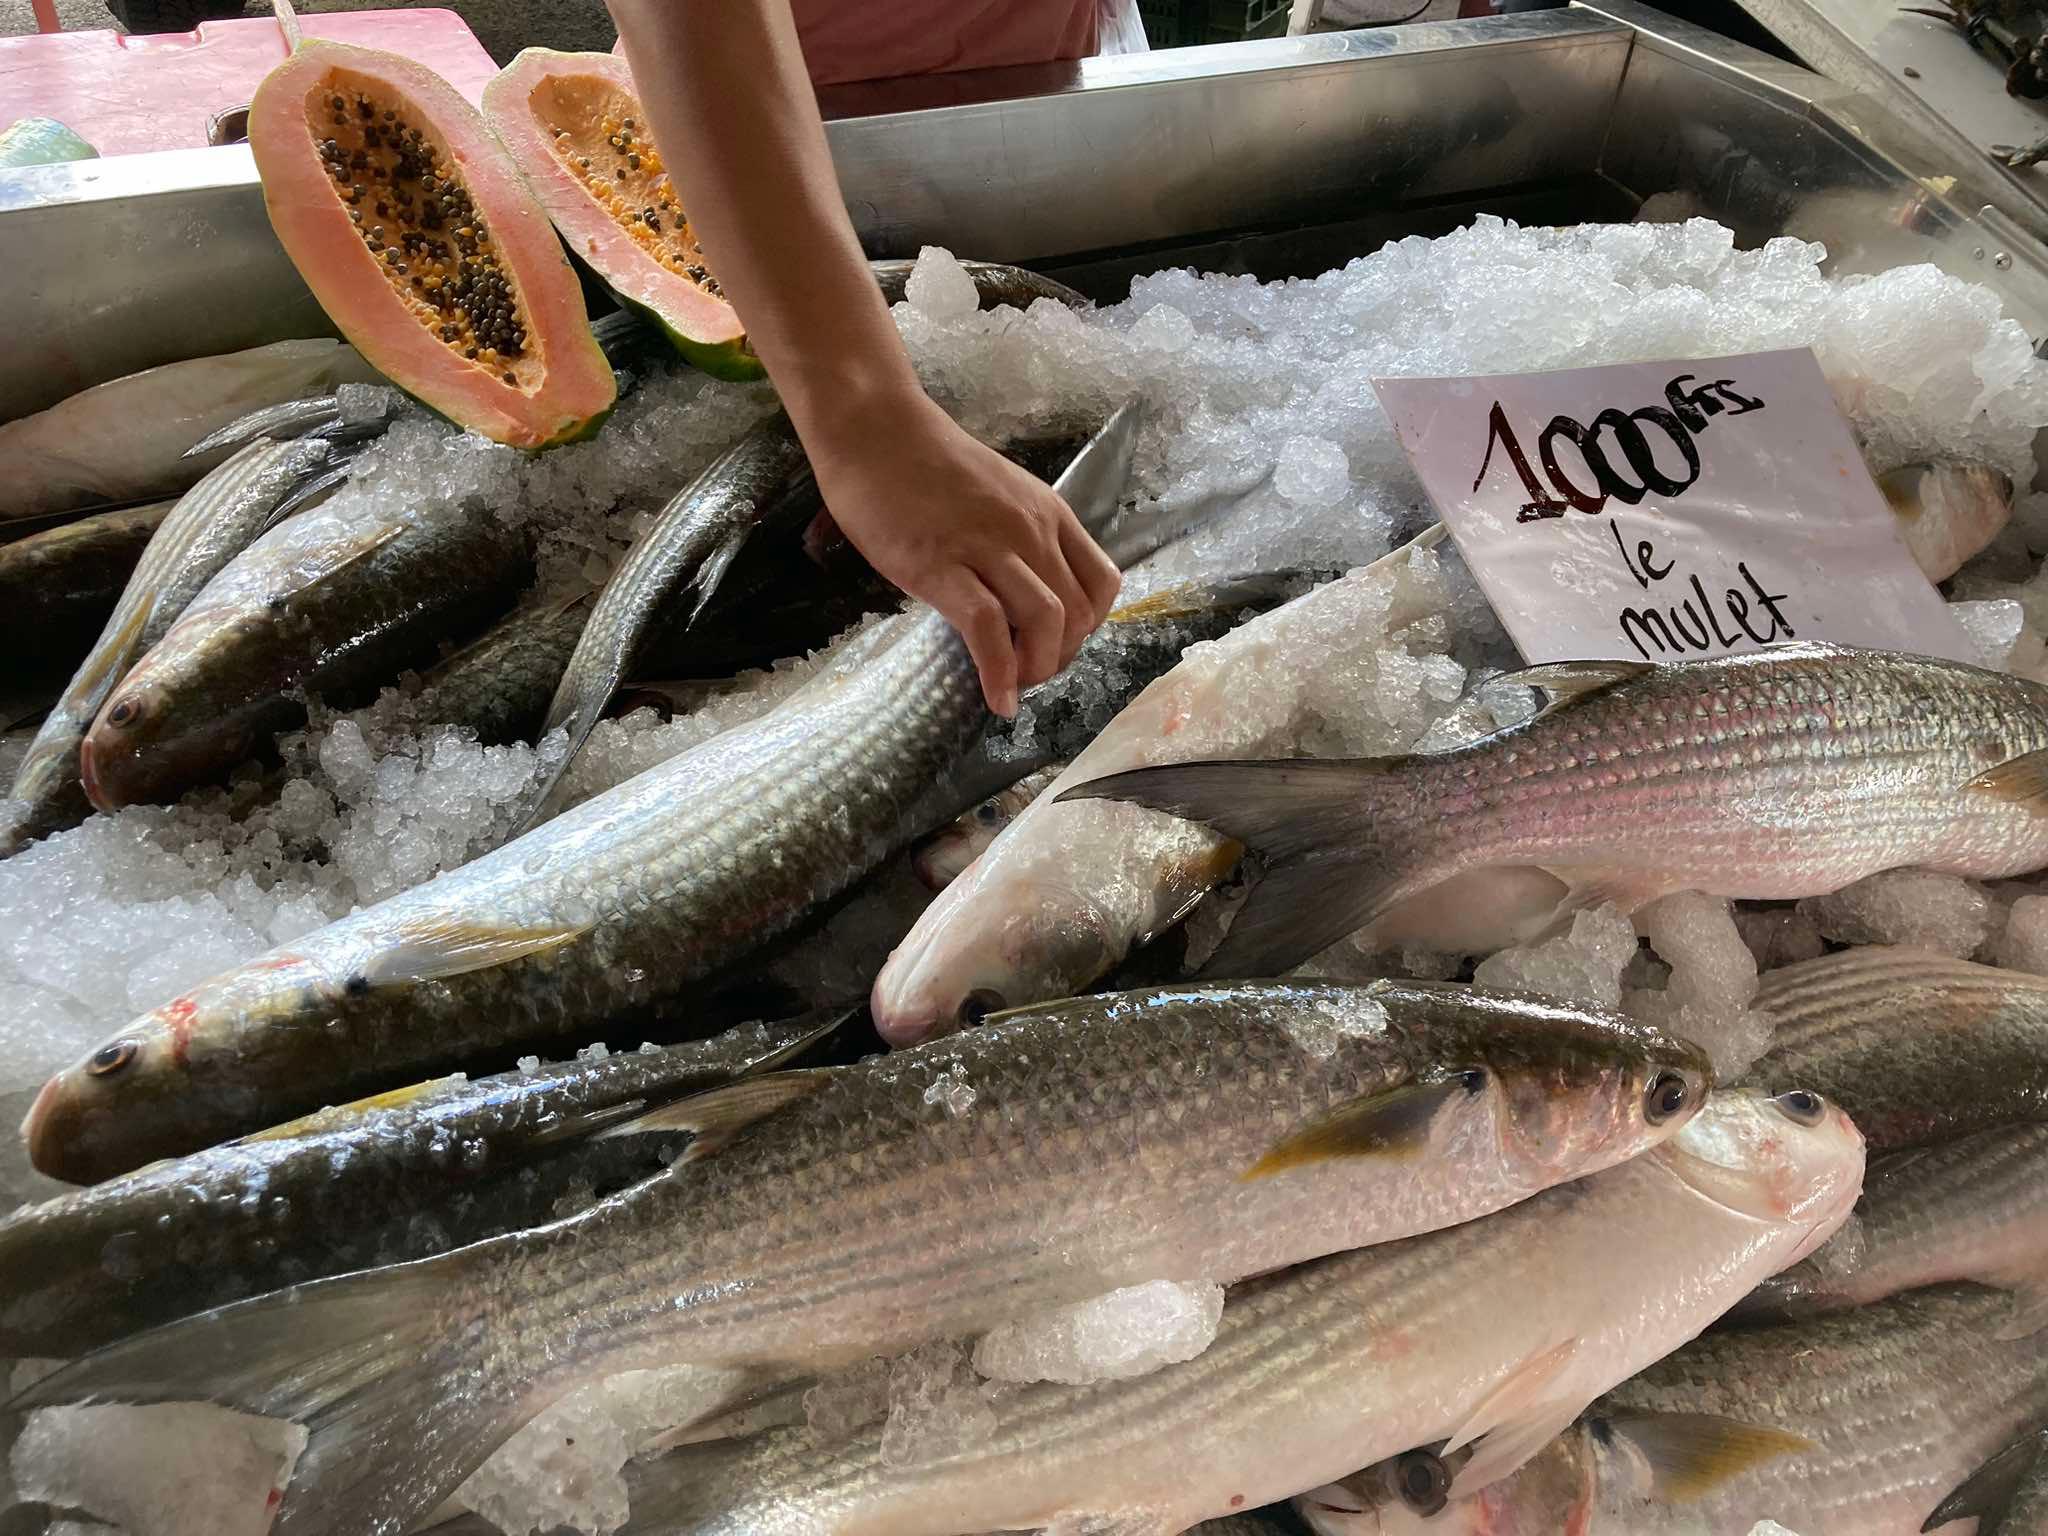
211 524
500 683
126 440
1973 1209
948 851
1860 1423
678 552
822 1217
1918 1047
398 1176
607 911
1503 1328
1788 772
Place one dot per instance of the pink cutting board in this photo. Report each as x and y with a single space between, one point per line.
124 95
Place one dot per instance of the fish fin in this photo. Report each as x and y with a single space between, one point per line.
1391 1124
716 1117
337 1115
1689 1455
1568 681
430 950
305 493
1316 828
2023 780
377 1367
326 563
1189 598
1517 1418
2029 1313
1988 1492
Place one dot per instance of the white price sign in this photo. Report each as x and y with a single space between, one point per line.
1659 511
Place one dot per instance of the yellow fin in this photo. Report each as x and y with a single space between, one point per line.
1692 1454
2022 780
716 1117
429 950
334 1116
1391 1124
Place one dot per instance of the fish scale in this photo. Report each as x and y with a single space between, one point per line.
828 1216
1786 772
1903 1399
1920 1047
633 895
1971 1209
1332 1363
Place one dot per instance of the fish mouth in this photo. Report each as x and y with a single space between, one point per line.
46 1133
89 777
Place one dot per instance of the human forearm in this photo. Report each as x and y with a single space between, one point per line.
724 88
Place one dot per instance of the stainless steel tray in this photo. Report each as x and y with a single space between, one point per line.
1274 157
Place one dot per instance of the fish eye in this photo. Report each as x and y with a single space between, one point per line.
980 1004
1473 1079
1665 1097
987 813
125 712
1801 1107
111 1057
1421 1481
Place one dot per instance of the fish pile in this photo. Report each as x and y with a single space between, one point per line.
1213 1100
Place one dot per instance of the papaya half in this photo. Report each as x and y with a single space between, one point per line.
424 245
573 124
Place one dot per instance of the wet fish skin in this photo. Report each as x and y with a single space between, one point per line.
1917 1385
333 603
943 855
58 586
210 525
843 1213
1971 1209
1505 1327
1816 765
125 440
400 1176
499 684
675 554
603 913
1031 920
1918 1047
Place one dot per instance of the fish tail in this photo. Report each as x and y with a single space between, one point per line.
388 1370
1335 840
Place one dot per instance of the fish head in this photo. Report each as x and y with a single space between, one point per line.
131 1099
1407 1495
1788 1158
155 738
1565 1092
1040 939
944 856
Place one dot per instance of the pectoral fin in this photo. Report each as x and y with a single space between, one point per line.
716 1117
2020 780
1535 1405
1692 1454
1391 1124
432 949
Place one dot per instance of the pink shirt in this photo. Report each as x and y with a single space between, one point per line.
874 39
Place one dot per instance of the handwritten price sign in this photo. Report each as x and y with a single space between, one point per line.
1658 511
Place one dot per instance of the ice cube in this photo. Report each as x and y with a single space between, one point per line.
1125 1333
2024 946
1909 906
1583 965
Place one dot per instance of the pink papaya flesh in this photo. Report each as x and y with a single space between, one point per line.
575 127
425 246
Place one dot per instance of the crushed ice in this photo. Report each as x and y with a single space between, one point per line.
1107 1338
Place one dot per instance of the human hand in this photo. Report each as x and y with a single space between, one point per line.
956 524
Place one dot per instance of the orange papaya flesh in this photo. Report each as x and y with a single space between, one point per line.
574 126
425 246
